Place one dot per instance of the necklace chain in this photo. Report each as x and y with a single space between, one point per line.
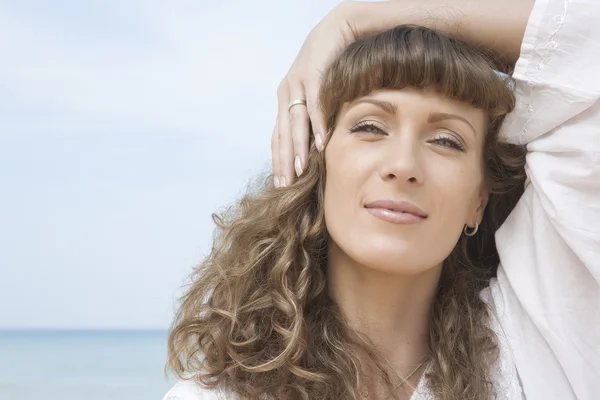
415 370
403 381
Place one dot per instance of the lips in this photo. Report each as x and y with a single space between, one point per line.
398 212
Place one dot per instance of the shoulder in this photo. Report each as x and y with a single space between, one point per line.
190 390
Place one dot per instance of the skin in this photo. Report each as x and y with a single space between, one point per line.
383 274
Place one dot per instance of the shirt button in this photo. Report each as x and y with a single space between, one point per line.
559 19
552 44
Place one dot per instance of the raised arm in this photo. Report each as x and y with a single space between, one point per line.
548 286
495 26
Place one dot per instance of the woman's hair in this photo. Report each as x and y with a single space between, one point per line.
257 320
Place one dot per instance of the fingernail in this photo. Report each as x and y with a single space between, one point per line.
298 166
282 181
319 141
276 181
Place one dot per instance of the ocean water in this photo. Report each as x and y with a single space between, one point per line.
83 365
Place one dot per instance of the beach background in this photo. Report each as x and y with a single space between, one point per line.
124 124
83 364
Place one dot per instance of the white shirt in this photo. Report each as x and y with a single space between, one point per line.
546 298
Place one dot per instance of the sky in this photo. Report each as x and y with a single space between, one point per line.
124 124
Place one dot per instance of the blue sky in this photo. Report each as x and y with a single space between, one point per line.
123 126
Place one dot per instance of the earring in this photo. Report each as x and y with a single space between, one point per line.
472 231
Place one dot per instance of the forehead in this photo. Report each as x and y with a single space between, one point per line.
416 99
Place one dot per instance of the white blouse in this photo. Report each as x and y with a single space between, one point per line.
546 298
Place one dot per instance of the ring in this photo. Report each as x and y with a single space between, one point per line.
295 103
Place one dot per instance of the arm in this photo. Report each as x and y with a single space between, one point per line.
494 25
548 286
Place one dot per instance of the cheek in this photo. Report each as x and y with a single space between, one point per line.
340 182
347 171
457 188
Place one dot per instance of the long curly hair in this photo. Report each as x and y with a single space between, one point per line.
257 321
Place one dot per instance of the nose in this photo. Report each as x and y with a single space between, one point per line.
401 161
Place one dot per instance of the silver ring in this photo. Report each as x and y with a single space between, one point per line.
295 103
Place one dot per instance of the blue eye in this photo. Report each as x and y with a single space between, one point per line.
448 142
368 127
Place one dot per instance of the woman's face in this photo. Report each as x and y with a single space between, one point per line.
404 175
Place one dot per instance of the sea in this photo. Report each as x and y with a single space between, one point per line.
83 365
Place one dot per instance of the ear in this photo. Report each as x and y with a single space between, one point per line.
482 201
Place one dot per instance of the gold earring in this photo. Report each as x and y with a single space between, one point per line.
472 231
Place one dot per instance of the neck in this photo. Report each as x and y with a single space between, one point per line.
392 310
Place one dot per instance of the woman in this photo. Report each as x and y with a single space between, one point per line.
360 270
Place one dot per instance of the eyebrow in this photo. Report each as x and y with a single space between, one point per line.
434 117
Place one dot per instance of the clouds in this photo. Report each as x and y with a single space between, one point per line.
158 65
123 126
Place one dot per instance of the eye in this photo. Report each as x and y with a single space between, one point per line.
368 127
448 141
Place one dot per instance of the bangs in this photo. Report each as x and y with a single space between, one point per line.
416 57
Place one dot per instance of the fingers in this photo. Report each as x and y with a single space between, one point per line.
316 116
285 145
299 126
290 140
275 155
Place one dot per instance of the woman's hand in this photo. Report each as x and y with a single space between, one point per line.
289 143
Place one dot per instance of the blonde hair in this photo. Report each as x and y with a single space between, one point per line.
257 320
